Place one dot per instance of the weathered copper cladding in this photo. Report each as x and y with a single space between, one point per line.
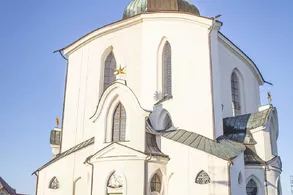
162 5
136 7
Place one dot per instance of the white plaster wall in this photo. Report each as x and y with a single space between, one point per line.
137 47
256 173
83 82
135 122
272 181
66 170
186 163
229 60
263 147
156 165
237 167
191 83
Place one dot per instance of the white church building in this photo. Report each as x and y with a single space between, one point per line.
162 103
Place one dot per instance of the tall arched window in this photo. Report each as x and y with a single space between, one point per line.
235 89
251 187
109 69
119 124
167 69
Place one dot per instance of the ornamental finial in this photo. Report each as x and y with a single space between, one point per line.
270 99
57 122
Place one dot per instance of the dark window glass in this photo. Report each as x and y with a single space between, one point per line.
251 188
109 69
236 106
54 183
119 124
167 69
156 183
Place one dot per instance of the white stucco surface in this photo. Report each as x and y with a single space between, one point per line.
203 61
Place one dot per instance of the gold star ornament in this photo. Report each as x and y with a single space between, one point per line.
120 71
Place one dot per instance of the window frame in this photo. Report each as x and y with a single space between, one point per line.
51 182
121 108
201 174
236 94
110 62
167 69
256 187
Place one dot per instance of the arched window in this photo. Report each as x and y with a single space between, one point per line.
115 184
167 70
156 183
235 89
109 69
240 179
251 187
119 124
202 178
54 183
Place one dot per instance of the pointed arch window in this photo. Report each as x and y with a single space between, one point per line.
202 178
156 183
167 70
251 187
119 124
54 183
115 184
109 69
235 89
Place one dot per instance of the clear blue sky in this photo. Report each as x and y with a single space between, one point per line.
32 78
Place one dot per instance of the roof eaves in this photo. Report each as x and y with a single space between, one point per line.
262 78
68 152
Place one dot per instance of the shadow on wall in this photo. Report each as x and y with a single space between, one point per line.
226 183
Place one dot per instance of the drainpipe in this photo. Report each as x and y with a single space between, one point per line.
211 72
64 96
265 174
36 174
230 162
147 159
92 178
74 184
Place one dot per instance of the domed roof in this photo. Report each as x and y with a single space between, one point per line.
136 7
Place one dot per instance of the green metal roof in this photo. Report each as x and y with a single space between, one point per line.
136 7
222 147
68 152
238 128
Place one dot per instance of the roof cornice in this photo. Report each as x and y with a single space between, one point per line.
121 24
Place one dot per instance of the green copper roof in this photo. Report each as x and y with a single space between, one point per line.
136 7
222 147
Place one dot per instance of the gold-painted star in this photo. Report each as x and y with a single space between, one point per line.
120 71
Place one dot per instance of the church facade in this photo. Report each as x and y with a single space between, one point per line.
162 103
